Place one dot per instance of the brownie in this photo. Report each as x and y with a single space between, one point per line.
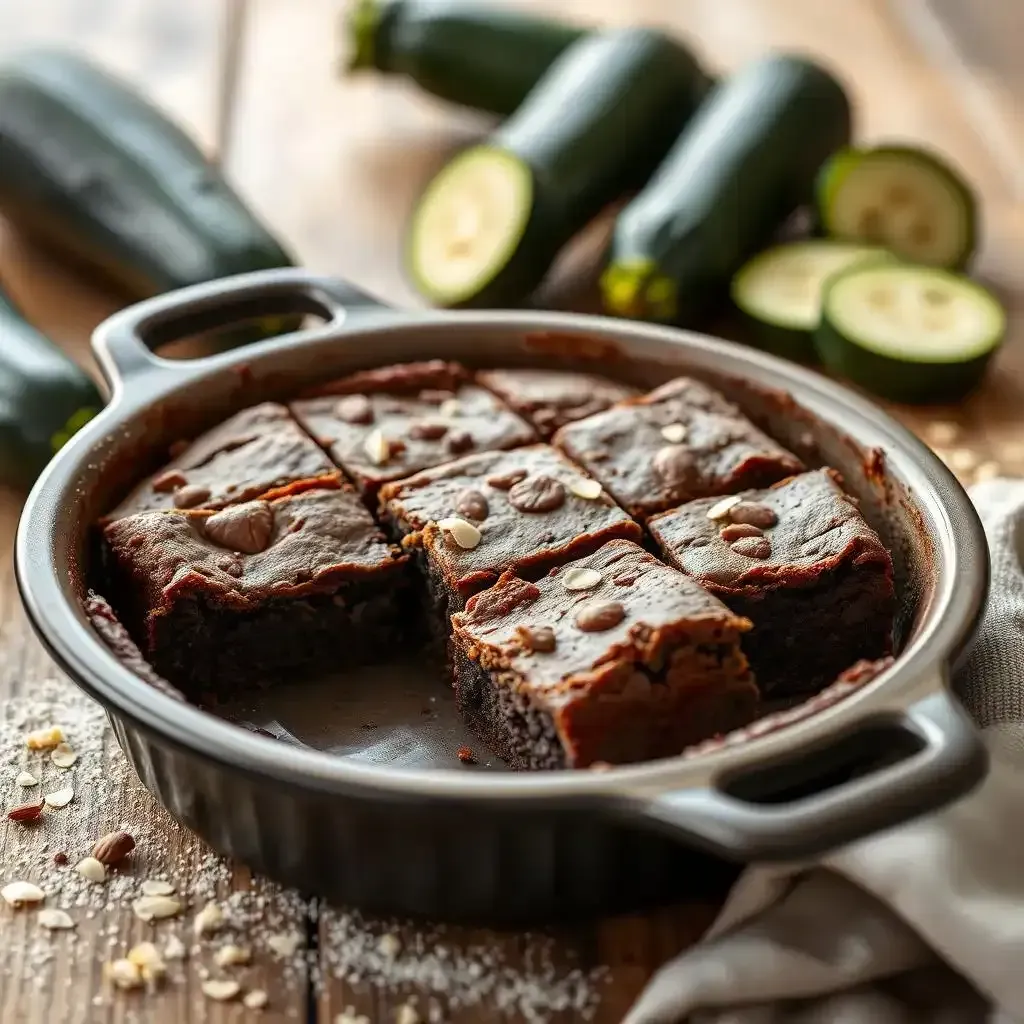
614 657
801 563
551 398
386 424
473 519
679 442
258 592
250 455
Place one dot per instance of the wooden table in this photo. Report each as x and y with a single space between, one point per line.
333 166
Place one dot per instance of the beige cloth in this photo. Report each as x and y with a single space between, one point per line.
923 924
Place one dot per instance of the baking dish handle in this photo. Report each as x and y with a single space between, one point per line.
125 343
946 758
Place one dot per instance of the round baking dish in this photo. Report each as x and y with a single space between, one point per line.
502 845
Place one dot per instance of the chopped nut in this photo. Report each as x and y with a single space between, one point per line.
60 858
540 639
156 887
147 958
539 493
580 579
113 848
256 999
221 989
674 432
377 447
389 945
428 430
471 504
752 547
284 944
63 756
354 409
505 481
246 528
190 495
17 894
465 755
123 974
174 949
91 868
231 956
676 466
26 812
54 920
155 908
45 739
596 618
753 513
450 408
169 480
210 919
733 531
464 533
722 508
587 489
61 798
407 1014
459 441
26 779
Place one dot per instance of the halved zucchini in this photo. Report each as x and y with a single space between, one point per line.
778 292
906 199
909 333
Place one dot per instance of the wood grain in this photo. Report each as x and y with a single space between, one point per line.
333 165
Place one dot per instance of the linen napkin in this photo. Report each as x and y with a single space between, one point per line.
922 924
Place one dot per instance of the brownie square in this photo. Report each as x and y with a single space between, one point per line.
385 424
551 398
682 441
258 592
801 563
614 657
471 520
256 451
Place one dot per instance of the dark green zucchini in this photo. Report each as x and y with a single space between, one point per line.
94 171
746 162
471 53
491 223
44 398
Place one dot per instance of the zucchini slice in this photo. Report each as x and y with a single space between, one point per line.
909 333
778 292
906 199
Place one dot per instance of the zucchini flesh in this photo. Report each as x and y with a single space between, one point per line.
906 199
93 170
910 333
745 162
779 291
475 54
593 129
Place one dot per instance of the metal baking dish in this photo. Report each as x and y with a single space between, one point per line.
399 834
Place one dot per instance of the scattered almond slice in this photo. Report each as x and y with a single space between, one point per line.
91 868
377 447
463 532
450 408
284 944
674 432
156 887
210 919
26 779
256 999
123 974
151 966
63 756
20 893
389 945
55 920
174 949
154 908
580 579
221 989
45 739
407 1014
61 798
722 508
232 956
588 489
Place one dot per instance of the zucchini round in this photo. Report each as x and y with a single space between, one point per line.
745 162
491 223
474 54
93 170
778 292
904 198
909 333
45 397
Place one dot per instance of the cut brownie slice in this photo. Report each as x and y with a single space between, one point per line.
551 398
475 518
247 456
259 592
614 657
799 561
385 424
682 441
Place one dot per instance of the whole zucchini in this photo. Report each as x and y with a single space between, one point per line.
491 223
745 162
44 398
93 170
471 53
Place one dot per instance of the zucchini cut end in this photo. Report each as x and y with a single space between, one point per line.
637 290
468 224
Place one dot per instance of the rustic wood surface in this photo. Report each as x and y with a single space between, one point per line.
333 166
